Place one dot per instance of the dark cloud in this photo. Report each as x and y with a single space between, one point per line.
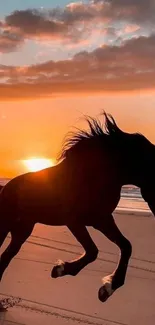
34 22
42 24
129 10
138 11
9 40
130 66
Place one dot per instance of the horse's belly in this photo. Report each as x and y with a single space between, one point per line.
40 208
91 205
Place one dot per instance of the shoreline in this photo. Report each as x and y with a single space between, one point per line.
133 211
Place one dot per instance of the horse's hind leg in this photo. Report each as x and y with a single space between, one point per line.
3 234
117 278
19 234
75 266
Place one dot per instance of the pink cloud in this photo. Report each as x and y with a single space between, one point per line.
129 66
131 29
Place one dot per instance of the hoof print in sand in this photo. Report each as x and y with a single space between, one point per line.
8 303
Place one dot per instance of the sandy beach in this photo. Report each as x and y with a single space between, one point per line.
74 300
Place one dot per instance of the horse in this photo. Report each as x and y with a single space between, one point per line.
82 189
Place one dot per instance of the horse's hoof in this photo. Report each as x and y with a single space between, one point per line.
2 309
103 294
106 290
58 270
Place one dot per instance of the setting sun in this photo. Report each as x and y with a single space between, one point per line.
35 164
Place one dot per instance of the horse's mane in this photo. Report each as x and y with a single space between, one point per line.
98 132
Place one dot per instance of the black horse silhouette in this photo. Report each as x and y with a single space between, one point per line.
83 189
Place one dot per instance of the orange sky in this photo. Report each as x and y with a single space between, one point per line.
36 128
62 59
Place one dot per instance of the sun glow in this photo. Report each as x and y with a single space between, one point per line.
35 164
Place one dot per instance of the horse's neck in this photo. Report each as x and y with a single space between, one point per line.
128 167
136 169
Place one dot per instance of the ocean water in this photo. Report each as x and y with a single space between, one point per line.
131 198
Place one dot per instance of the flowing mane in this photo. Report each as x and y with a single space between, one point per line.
99 132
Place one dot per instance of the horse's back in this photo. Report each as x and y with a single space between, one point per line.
35 196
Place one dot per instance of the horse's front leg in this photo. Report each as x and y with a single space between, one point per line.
20 231
117 278
75 266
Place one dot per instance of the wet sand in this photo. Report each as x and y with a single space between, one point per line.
74 300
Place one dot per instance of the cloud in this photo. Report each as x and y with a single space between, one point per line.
77 21
33 22
137 11
58 20
129 66
129 29
44 24
9 40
